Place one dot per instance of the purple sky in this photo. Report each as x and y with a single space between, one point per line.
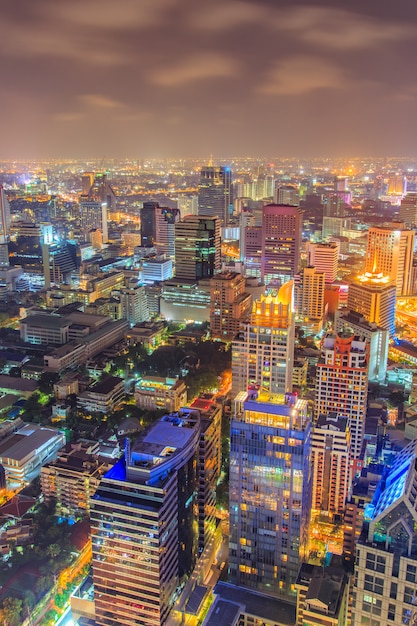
162 78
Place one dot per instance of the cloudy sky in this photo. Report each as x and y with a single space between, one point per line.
168 78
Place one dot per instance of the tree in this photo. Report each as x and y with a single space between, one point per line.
53 550
12 608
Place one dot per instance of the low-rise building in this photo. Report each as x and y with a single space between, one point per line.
322 595
154 392
23 452
103 397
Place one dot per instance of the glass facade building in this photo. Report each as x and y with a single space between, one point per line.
270 493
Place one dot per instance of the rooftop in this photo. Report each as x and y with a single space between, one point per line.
27 440
46 321
264 607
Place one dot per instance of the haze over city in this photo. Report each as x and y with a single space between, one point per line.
175 78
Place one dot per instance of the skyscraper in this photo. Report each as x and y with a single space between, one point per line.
215 193
197 247
270 493
408 209
309 298
390 251
324 257
93 215
281 243
229 304
342 383
158 227
373 296
143 524
263 351
330 460
4 227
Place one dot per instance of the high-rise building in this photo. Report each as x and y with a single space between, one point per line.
342 383
252 260
87 181
390 251
134 303
270 493
143 524
287 194
386 556
309 298
408 209
335 226
281 243
102 191
263 352
93 215
330 460
324 257
374 297
377 339
215 193
4 227
158 227
197 247
229 304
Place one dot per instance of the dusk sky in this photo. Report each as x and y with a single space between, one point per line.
169 78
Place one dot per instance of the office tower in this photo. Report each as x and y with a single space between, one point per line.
309 299
253 251
324 257
197 247
373 296
143 524
335 226
377 339
158 227
4 227
103 192
87 181
287 194
270 493
215 193
390 251
134 303
408 209
93 215
342 383
386 554
61 262
263 352
245 220
229 304
330 460
209 467
337 201
281 243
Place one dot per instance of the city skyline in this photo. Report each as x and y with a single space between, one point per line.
320 78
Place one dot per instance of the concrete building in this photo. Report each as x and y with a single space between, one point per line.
229 304
374 297
324 257
281 243
408 209
44 329
309 299
386 554
186 300
134 303
342 383
22 453
103 397
154 392
322 595
262 353
74 476
377 339
390 251
330 458
270 493
143 519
